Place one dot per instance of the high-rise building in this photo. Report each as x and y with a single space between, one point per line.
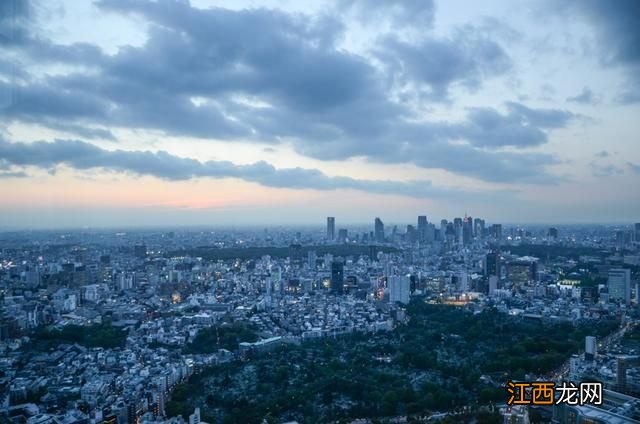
412 234
331 228
422 227
467 230
337 276
379 230
430 233
496 231
399 288
478 227
590 348
492 264
342 235
619 284
552 233
457 227
522 271
493 284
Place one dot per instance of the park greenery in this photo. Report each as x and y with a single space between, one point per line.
99 335
442 359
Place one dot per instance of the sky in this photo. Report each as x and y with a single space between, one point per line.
170 112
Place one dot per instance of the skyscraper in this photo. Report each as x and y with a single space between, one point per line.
619 284
496 231
467 230
492 264
477 231
379 230
422 227
399 287
337 276
590 348
331 228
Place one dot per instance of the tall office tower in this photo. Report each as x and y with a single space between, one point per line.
619 284
467 230
342 235
590 348
636 226
399 288
552 233
337 276
312 257
492 264
379 230
493 285
331 228
443 226
430 233
422 227
450 234
496 231
412 234
457 228
620 238
477 231
462 281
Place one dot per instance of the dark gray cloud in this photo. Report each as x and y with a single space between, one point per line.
434 65
84 156
618 36
585 96
13 13
202 73
520 127
616 27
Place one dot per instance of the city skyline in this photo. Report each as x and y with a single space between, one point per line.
124 114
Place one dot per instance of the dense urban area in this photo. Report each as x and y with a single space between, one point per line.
381 323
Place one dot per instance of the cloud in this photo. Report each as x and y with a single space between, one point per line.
605 170
520 127
202 74
602 154
617 34
12 174
629 97
585 97
84 156
434 65
417 13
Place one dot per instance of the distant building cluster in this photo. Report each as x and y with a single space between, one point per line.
96 326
